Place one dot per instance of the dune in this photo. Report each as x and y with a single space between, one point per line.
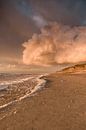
75 68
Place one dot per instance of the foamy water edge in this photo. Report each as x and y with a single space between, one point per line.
41 84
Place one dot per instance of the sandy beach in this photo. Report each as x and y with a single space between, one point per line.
61 105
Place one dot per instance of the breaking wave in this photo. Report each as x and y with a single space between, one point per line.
34 84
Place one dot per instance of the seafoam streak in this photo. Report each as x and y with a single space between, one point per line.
41 84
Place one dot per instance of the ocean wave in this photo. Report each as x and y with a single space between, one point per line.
40 84
15 81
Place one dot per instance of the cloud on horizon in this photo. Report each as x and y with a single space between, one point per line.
56 44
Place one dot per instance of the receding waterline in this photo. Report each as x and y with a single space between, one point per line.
40 84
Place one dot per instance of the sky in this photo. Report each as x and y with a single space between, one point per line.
20 19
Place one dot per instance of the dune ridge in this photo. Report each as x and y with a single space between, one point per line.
74 68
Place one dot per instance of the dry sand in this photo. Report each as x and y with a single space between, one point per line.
60 106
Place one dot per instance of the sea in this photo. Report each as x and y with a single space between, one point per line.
15 87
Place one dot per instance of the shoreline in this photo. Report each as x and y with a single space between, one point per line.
40 84
60 106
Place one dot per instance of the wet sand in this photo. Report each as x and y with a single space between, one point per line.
61 105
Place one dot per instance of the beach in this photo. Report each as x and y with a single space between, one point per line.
60 105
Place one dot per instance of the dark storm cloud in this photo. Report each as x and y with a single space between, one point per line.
28 10
19 19
65 11
70 12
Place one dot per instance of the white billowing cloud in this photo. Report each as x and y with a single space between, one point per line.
56 44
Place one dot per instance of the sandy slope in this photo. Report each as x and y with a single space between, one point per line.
61 106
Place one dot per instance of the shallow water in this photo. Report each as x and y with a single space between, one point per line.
15 87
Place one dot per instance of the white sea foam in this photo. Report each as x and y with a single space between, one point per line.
39 86
15 81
